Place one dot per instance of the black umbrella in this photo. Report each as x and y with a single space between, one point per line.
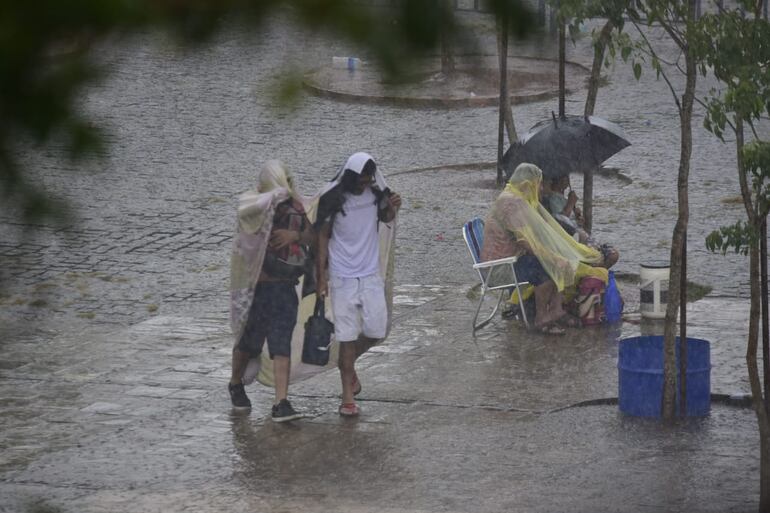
572 144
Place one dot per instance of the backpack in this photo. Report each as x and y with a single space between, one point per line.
589 302
290 261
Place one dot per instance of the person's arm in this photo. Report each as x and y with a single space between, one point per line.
280 238
570 205
307 235
394 203
522 247
322 259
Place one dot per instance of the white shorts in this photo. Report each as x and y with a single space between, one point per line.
359 307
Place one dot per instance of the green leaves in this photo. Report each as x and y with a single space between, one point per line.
737 49
739 237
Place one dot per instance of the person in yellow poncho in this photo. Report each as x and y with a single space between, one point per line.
551 260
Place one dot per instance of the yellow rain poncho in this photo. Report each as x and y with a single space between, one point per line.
518 210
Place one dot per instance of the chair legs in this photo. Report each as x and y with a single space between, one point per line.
522 308
483 323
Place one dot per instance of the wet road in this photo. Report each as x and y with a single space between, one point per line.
189 130
113 397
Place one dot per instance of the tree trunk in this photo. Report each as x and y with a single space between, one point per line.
763 300
503 60
596 68
447 48
756 386
562 64
683 331
758 400
678 238
502 52
593 89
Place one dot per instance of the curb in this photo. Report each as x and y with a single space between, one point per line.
319 90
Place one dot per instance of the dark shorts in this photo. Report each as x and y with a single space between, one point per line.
528 268
272 316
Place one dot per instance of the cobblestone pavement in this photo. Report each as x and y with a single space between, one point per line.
115 344
137 419
156 216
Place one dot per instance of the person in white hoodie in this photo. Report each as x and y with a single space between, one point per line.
348 263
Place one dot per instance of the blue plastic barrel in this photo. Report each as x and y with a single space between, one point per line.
640 376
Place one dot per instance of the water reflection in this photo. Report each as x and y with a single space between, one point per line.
314 457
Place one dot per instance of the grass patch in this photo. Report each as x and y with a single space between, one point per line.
86 315
732 200
38 303
696 291
152 308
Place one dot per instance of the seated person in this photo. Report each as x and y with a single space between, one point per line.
564 210
568 215
517 225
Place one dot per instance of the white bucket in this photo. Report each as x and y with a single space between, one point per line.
350 63
653 289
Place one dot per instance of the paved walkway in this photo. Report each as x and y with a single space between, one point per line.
115 353
137 419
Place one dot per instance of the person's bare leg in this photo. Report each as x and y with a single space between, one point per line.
281 369
542 297
556 305
240 361
363 344
347 370
547 303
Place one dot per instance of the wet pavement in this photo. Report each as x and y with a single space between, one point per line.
115 343
137 419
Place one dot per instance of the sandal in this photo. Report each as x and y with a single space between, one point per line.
349 410
569 321
356 384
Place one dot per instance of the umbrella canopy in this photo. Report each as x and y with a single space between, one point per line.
573 144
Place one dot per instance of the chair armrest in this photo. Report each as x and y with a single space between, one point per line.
493 263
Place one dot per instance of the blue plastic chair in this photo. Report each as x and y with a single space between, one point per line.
490 277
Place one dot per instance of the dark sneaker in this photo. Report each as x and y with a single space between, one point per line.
238 396
283 412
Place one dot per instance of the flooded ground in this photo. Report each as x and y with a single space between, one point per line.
190 129
115 340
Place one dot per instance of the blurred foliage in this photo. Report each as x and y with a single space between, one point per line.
46 61
736 49
735 46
